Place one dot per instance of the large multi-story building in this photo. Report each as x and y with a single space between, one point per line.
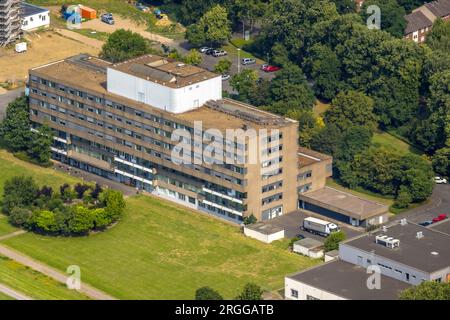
135 121
10 21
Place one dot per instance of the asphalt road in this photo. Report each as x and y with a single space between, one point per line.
6 98
438 203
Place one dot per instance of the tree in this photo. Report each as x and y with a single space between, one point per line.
324 67
354 140
15 128
212 28
124 45
20 217
333 240
351 108
439 36
308 124
113 202
392 19
44 221
19 192
290 87
80 189
223 66
427 290
100 218
193 57
345 6
41 142
243 82
81 221
441 162
326 139
96 191
403 199
206 293
251 291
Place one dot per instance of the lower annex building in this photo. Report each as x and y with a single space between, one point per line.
157 124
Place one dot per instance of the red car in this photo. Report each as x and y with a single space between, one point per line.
268 68
440 218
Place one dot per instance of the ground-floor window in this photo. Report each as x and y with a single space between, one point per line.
294 293
308 297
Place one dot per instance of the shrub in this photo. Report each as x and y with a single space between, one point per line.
250 219
113 202
333 240
19 191
251 291
80 189
20 217
206 293
43 221
81 221
100 218
96 191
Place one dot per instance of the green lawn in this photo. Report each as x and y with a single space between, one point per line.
161 251
34 284
5 227
10 166
5 297
386 140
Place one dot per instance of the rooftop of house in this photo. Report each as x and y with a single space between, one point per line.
349 281
439 8
90 73
307 157
264 228
416 21
309 243
422 248
31 10
344 203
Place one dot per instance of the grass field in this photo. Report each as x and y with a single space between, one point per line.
5 227
160 251
10 166
33 283
4 297
385 140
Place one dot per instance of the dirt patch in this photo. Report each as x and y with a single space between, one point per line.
43 48
121 23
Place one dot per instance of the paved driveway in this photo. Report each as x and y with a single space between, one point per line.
6 98
291 223
438 203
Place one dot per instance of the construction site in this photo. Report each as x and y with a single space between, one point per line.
10 21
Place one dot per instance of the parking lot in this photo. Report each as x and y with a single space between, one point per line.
291 224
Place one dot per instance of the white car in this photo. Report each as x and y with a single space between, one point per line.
225 77
440 180
204 49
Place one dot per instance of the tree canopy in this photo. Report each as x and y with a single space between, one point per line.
124 45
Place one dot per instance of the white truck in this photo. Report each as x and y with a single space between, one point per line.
318 226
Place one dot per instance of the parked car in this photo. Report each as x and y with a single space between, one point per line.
269 68
210 51
219 53
247 61
426 223
204 49
440 180
226 77
107 18
440 218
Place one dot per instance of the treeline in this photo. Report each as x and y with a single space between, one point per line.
73 210
16 135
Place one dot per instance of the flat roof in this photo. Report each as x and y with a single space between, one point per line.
264 228
307 157
309 243
165 71
89 73
30 10
332 253
349 281
344 203
412 251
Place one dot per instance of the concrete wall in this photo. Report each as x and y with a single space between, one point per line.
176 100
305 290
36 21
360 257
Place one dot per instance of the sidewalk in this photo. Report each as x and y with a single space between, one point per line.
13 293
52 273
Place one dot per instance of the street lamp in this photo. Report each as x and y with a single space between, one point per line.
239 60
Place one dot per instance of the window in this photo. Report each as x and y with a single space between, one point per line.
294 293
308 297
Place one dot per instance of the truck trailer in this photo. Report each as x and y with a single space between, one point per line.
318 226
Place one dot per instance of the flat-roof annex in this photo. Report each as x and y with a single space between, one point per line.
413 251
348 281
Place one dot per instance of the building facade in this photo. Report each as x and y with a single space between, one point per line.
10 21
126 121
34 17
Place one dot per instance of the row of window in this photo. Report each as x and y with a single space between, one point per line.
272 186
275 197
